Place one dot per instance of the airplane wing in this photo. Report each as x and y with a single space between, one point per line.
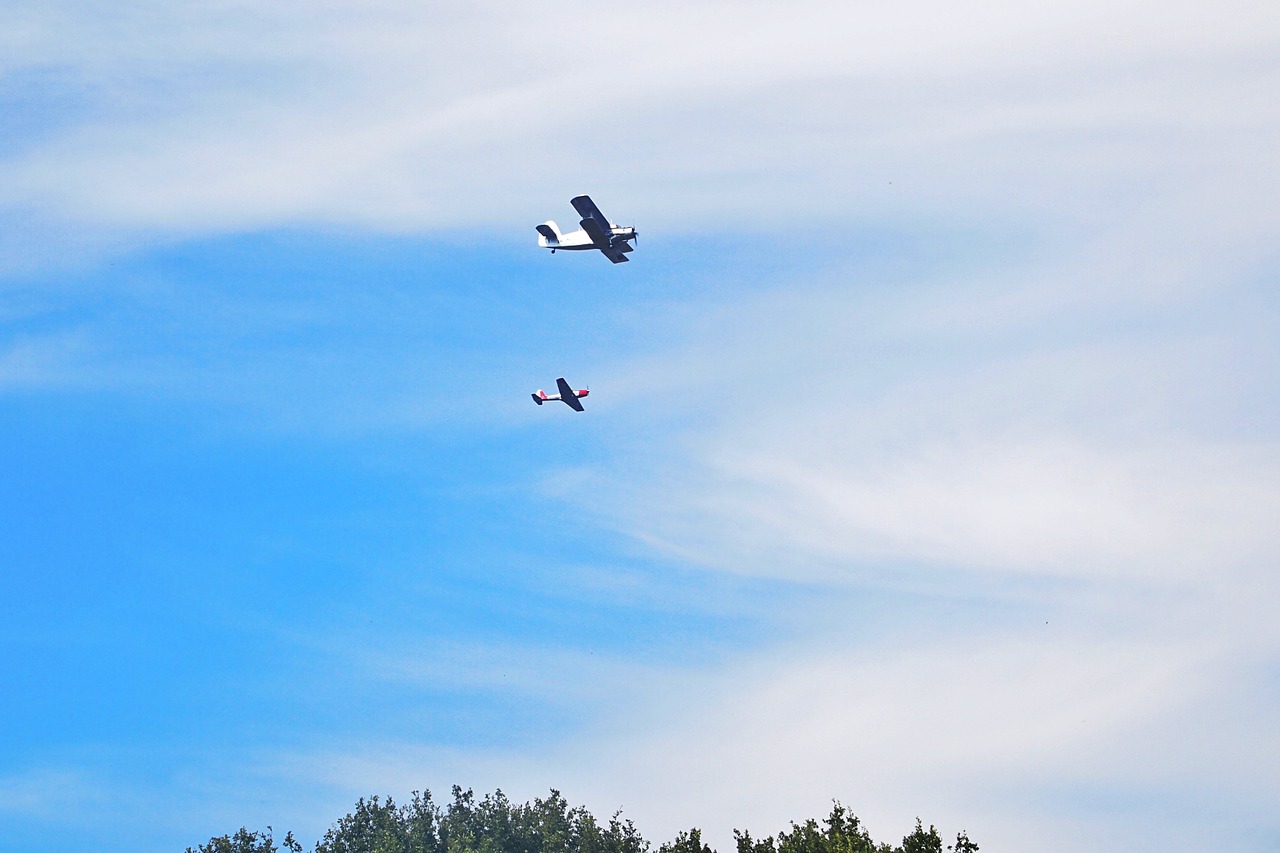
598 233
568 394
587 210
598 229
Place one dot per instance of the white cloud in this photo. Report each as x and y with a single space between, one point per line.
1040 505
991 730
233 115
36 361
46 792
999 429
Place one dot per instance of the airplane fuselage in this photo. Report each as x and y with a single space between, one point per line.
550 237
567 395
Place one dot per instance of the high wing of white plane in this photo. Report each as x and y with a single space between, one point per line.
567 395
596 232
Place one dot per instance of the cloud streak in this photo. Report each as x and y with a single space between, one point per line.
229 116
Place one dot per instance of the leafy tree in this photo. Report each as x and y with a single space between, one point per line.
747 844
374 827
493 824
845 833
621 836
468 825
686 842
424 829
842 832
920 841
245 841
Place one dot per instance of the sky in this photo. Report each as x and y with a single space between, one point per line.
931 462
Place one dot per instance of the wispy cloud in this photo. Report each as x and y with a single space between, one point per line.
993 731
46 792
39 361
232 116
1081 440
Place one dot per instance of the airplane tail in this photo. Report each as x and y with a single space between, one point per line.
539 396
550 233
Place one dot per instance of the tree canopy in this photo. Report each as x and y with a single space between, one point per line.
549 824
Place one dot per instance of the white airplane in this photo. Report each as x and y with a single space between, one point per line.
596 233
567 395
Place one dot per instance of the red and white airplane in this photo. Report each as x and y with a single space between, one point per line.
567 395
596 232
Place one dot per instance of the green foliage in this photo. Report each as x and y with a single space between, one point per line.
374 827
494 824
920 841
841 832
747 844
686 842
467 825
245 841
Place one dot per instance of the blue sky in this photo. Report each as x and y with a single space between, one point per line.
930 462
